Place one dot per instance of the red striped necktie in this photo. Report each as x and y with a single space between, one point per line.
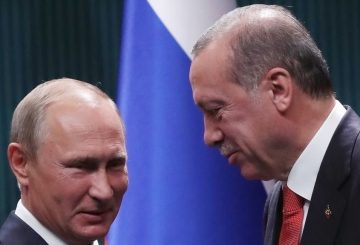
292 217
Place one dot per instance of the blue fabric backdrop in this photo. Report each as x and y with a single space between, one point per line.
180 191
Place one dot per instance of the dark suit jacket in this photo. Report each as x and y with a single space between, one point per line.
14 231
337 186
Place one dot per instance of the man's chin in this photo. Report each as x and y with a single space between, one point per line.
90 234
249 173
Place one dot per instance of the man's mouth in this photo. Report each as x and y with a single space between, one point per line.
232 158
94 216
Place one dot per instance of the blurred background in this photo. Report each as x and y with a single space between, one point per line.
44 39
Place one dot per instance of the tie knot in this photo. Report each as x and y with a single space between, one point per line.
291 201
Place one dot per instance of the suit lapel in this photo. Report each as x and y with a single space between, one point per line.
323 218
329 196
272 215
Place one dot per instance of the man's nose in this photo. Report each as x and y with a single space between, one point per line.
212 133
101 188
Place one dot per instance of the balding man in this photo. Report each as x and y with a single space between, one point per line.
68 154
268 104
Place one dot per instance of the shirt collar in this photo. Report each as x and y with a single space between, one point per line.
308 164
23 213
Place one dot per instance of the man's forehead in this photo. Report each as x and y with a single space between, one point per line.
70 115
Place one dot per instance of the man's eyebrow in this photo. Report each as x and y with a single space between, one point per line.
120 157
81 160
204 105
93 160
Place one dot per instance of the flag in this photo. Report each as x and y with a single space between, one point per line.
180 191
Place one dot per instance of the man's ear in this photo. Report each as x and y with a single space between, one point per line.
18 162
280 87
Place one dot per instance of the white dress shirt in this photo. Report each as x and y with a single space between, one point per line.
308 164
23 213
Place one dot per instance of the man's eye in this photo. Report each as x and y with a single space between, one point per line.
118 164
85 167
215 113
212 111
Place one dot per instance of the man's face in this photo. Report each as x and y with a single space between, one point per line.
239 122
77 182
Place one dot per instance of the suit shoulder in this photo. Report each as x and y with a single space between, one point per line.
16 231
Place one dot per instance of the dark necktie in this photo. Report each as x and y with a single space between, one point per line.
292 217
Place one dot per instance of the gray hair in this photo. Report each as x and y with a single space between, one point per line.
29 116
266 36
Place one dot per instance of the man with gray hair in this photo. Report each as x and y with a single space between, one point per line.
268 104
68 154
